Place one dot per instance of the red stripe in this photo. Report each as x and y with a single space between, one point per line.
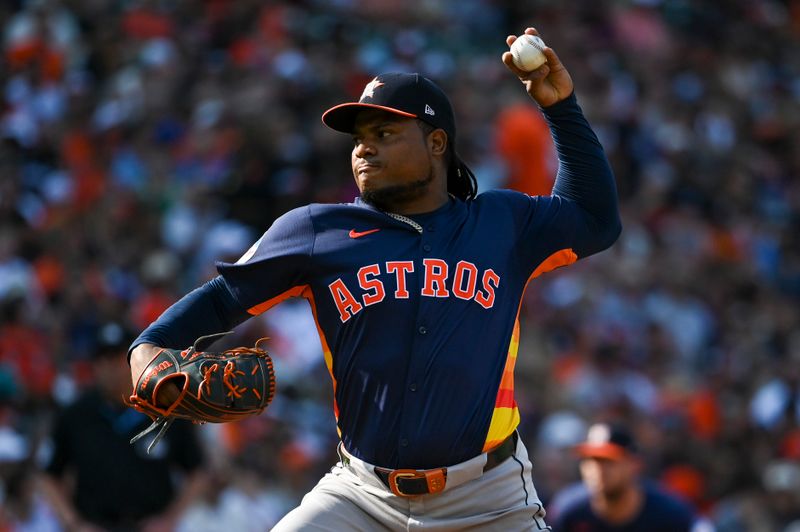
505 399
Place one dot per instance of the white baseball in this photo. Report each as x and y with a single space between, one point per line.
527 52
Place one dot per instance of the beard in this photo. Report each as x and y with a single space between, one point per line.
615 493
390 197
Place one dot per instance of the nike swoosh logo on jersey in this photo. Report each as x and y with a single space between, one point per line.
356 234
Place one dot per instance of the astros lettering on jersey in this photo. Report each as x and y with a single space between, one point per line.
443 392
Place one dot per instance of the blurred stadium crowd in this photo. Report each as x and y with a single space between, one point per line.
141 140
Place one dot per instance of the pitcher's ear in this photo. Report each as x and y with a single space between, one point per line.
437 142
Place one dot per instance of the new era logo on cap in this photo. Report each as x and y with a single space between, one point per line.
410 95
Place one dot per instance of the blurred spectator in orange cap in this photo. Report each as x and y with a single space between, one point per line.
613 496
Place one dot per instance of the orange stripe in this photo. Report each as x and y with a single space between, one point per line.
515 331
565 257
268 304
507 382
326 352
505 417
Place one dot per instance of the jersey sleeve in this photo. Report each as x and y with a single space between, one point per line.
276 266
585 178
581 217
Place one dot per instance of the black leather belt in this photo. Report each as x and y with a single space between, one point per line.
414 482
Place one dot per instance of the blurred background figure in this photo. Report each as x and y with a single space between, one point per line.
775 507
613 496
95 479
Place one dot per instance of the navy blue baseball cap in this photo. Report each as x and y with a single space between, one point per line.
410 95
609 441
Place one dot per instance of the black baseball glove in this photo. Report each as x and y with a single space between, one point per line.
213 387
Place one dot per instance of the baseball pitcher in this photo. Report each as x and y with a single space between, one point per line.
416 288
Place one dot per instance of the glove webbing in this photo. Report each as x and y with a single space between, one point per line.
162 416
163 422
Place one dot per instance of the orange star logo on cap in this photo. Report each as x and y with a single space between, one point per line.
369 90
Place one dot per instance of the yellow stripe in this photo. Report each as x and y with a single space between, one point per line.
504 421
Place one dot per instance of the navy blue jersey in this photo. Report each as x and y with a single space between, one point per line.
418 315
660 512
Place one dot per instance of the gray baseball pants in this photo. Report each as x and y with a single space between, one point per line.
352 498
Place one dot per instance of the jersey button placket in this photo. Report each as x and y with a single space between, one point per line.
413 390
